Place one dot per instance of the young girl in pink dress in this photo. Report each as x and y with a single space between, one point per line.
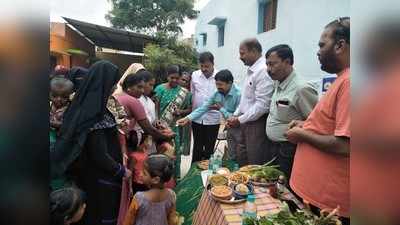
157 205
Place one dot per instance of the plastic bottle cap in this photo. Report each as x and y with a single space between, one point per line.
251 198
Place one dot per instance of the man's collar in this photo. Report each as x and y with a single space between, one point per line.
230 91
282 85
212 75
260 61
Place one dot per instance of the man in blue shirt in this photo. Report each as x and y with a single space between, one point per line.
225 100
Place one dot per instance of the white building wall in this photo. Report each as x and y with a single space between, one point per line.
299 24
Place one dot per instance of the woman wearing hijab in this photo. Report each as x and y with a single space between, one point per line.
89 134
135 130
132 69
76 75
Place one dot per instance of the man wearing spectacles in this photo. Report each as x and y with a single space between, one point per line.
293 99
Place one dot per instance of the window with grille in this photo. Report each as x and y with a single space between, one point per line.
267 15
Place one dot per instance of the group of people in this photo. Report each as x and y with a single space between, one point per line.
112 137
115 137
279 116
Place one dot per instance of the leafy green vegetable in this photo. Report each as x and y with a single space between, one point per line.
272 173
300 217
249 221
268 173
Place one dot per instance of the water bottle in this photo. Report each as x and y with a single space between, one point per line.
211 163
215 164
218 160
250 211
235 167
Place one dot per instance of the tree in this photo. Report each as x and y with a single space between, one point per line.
186 52
151 16
161 19
158 58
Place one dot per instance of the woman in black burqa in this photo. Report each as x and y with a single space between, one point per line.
77 75
89 136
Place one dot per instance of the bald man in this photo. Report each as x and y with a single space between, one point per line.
251 115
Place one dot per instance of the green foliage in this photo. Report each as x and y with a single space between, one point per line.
162 19
300 217
188 54
151 16
158 58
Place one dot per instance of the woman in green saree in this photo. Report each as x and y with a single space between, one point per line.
173 102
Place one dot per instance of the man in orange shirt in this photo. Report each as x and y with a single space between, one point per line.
320 173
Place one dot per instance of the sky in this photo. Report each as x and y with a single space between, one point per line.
94 11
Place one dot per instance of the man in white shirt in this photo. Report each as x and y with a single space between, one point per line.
253 109
205 129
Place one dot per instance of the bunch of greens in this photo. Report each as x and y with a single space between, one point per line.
300 217
265 173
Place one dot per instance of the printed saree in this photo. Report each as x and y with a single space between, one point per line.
171 99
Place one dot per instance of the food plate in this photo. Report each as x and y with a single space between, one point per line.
238 178
266 176
240 195
203 165
223 171
221 192
232 200
267 184
248 168
217 180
